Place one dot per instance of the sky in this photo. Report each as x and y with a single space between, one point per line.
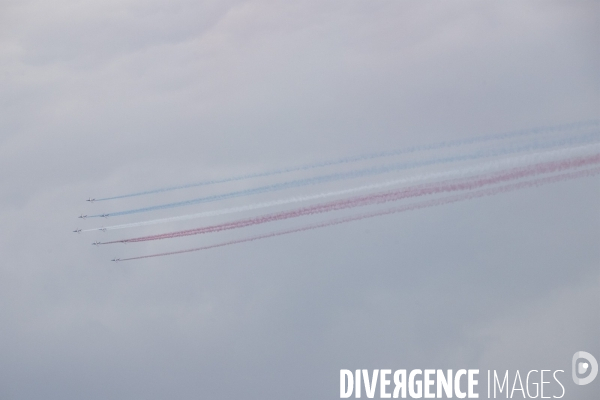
107 98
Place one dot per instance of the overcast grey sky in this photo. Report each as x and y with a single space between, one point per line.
110 97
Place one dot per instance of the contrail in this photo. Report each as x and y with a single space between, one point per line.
370 156
380 198
410 207
297 199
590 137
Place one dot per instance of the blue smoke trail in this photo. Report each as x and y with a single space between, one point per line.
588 138
436 146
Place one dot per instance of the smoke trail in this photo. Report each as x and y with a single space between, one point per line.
297 199
416 206
345 160
379 198
591 137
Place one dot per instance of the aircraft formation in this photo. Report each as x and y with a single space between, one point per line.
371 185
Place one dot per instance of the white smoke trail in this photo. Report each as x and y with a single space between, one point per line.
482 168
592 137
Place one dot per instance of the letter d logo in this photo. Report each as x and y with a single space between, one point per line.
581 367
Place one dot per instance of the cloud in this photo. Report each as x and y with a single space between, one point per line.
103 98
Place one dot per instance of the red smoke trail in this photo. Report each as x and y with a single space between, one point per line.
409 207
379 198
